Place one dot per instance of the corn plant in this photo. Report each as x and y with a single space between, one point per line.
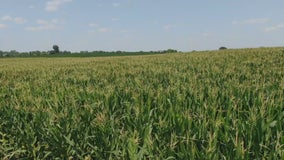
226 104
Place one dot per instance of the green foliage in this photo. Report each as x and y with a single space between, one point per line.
54 53
222 48
201 105
55 49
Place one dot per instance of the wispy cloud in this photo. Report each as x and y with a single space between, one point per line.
206 34
99 30
115 4
93 25
18 20
2 26
53 5
275 28
252 21
103 30
7 18
124 31
169 26
44 25
31 7
115 19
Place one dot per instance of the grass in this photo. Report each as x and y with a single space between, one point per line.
203 105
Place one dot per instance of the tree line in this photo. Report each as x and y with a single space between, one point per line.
56 52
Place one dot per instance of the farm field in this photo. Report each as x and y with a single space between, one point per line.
225 104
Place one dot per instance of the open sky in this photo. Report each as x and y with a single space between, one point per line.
133 25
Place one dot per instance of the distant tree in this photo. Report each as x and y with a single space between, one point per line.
66 52
55 49
222 48
170 51
13 53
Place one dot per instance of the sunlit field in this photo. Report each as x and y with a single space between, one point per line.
201 105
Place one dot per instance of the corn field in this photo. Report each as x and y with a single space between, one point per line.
201 105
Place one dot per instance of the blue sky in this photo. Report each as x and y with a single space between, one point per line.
133 25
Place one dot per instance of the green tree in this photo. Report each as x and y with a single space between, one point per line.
222 48
170 51
55 49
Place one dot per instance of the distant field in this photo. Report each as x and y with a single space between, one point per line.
201 105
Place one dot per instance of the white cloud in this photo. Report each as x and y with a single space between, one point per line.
115 4
274 28
115 19
100 30
93 25
2 26
169 26
124 31
44 25
18 20
206 34
53 5
32 7
7 18
252 21
103 30
42 22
